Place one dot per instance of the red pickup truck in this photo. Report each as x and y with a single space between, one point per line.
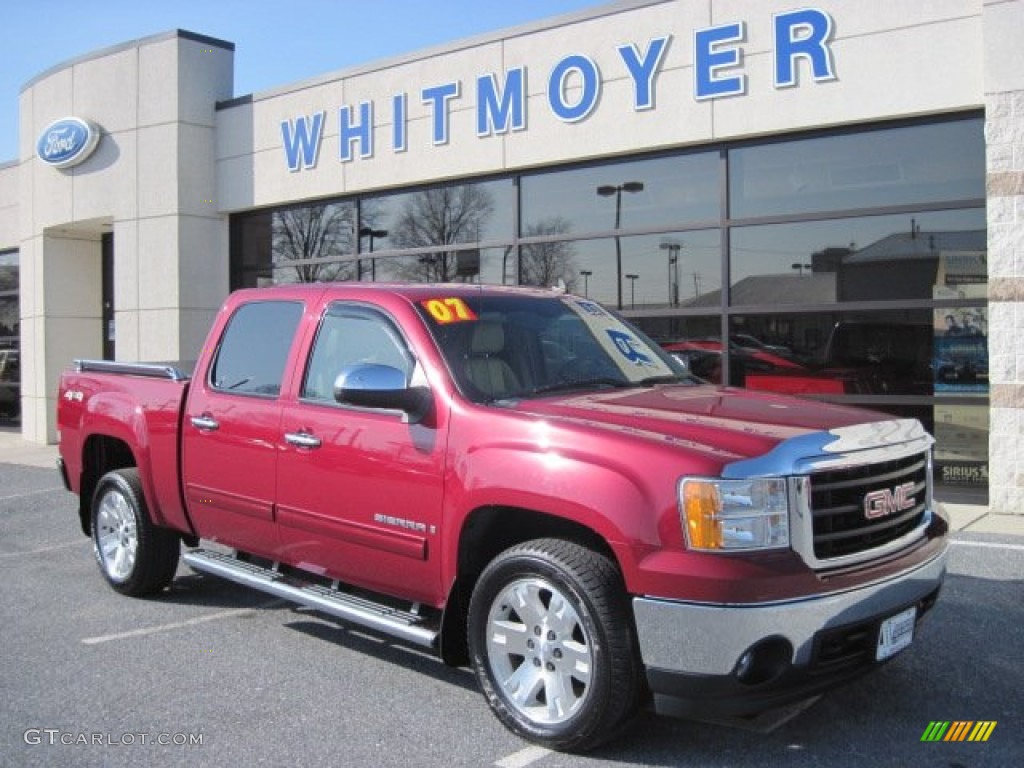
524 482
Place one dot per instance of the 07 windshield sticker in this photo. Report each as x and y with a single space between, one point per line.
633 357
448 311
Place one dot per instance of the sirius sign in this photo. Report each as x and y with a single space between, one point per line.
802 42
67 142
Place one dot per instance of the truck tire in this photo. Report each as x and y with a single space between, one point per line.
135 557
552 643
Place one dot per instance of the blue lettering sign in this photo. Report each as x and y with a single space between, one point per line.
803 34
709 56
349 133
439 96
302 141
588 71
500 113
802 46
398 137
643 70
628 347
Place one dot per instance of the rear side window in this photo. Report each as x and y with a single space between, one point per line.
254 348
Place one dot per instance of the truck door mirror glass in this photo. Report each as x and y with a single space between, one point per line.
371 385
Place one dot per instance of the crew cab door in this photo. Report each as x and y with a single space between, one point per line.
360 489
231 429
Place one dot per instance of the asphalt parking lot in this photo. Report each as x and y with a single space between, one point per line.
214 674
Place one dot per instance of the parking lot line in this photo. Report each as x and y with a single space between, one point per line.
989 545
31 493
39 551
523 757
179 624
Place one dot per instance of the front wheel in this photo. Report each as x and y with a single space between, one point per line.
552 644
136 557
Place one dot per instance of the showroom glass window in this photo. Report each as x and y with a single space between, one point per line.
299 244
661 192
772 264
10 335
910 165
857 273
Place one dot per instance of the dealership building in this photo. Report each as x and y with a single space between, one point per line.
826 200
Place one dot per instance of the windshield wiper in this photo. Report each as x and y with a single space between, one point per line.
598 383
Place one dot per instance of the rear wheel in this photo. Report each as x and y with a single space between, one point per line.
552 644
135 557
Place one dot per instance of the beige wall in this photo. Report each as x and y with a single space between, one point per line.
891 60
150 183
8 206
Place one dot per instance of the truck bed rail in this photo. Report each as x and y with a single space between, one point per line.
177 371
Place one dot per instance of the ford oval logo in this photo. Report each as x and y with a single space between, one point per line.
67 142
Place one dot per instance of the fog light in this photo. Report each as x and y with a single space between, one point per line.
764 661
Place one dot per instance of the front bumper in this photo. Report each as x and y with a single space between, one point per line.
692 651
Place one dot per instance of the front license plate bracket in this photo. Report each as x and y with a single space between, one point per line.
895 634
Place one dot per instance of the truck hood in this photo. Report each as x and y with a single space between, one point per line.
725 424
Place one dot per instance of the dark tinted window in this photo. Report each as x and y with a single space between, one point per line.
866 258
827 354
254 348
442 215
299 244
10 325
893 166
664 191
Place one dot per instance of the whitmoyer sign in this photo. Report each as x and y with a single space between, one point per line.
802 38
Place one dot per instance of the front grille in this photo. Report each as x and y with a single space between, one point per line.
840 525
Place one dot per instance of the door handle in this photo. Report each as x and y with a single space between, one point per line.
204 422
302 439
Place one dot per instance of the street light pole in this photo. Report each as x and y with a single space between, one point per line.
632 290
607 190
586 282
673 247
371 233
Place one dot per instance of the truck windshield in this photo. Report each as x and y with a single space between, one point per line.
505 347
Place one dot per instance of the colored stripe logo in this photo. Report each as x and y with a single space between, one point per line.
958 730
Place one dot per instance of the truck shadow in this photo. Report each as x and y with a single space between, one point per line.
381 647
967 664
196 589
209 591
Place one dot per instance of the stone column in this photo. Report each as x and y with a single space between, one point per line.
1004 138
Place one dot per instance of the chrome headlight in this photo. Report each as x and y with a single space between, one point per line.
733 515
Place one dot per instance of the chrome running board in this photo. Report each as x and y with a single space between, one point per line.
383 618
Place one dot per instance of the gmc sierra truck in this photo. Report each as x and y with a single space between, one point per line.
523 482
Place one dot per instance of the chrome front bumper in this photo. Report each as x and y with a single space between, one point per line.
709 639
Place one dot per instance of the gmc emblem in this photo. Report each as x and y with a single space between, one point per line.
886 502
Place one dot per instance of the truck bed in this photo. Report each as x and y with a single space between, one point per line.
110 407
